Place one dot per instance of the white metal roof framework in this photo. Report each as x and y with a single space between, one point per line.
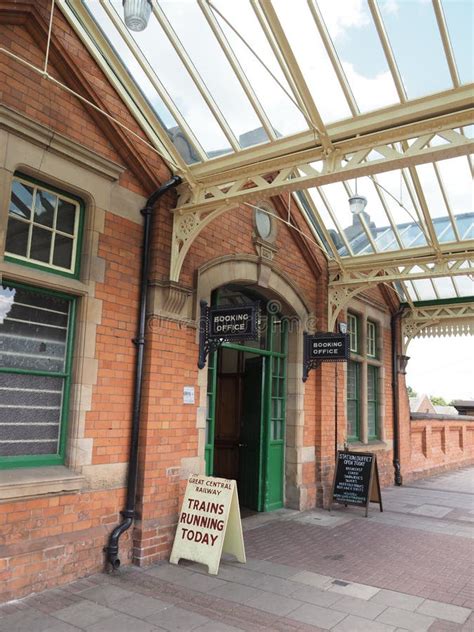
318 98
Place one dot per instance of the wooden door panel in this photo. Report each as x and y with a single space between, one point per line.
227 430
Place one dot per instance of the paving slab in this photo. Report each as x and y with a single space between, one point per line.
27 620
316 596
359 607
276 585
445 611
106 595
217 626
312 579
315 615
175 619
275 604
408 620
352 589
84 614
236 592
61 626
436 511
140 606
397 599
121 623
358 624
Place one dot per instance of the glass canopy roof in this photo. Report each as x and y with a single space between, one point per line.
229 80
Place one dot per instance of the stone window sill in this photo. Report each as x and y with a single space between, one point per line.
37 481
372 446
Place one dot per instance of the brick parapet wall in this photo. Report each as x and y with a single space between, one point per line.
439 443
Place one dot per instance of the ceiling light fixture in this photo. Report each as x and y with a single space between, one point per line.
136 14
357 203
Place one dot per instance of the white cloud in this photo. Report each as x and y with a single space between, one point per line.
339 16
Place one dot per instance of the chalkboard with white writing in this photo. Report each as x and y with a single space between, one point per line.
356 480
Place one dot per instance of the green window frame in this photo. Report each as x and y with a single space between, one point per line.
353 401
372 401
371 339
45 227
353 331
36 343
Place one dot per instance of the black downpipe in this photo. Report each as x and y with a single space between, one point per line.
396 408
128 514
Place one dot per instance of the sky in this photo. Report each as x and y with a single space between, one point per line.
442 367
410 25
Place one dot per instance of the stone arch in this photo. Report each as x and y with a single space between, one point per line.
273 283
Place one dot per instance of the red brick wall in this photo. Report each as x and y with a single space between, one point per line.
52 540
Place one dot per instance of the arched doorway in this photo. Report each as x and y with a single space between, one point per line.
246 405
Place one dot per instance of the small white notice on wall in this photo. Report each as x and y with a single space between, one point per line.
188 394
209 523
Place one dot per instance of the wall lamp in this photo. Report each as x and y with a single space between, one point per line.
136 14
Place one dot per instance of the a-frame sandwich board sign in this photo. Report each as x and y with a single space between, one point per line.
356 480
209 523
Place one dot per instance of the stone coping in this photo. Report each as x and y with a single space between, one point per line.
435 417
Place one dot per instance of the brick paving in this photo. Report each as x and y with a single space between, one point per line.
425 564
305 572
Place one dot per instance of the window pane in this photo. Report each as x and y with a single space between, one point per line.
371 419
62 251
17 237
21 200
371 342
36 237
276 408
353 333
45 206
30 414
40 244
33 335
372 379
414 35
66 216
352 400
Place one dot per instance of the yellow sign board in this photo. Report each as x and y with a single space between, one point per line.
209 523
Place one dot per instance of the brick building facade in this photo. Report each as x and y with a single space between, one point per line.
57 513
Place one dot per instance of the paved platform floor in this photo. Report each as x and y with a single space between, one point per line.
408 568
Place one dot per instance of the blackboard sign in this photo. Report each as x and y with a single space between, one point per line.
233 323
356 480
323 347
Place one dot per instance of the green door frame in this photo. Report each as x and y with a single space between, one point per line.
272 444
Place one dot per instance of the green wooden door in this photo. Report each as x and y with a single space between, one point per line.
275 414
250 454
262 450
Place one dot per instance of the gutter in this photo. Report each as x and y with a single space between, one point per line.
128 514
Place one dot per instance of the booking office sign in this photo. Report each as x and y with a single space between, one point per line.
324 347
225 324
